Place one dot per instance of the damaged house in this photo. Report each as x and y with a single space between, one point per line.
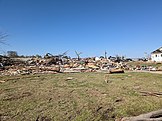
156 55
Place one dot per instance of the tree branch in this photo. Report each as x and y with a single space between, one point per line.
3 37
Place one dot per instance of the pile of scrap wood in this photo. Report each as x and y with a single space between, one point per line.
52 64
5 61
25 70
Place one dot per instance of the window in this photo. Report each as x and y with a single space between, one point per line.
155 55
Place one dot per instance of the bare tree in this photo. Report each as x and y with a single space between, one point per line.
78 54
63 54
3 37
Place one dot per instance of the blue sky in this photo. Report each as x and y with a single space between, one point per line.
121 27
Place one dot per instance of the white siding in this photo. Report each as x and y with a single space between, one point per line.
156 57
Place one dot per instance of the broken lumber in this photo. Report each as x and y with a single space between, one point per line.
112 71
56 69
152 116
146 93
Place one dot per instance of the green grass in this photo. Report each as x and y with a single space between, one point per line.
84 98
139 63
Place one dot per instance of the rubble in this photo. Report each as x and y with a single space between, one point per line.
60 64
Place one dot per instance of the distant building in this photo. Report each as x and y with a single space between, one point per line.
156 55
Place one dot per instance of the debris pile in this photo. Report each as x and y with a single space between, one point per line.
64 64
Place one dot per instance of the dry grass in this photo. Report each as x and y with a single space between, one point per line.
82 97
153 64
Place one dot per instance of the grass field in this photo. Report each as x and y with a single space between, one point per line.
153 64
78 96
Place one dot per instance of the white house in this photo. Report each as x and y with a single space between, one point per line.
156 55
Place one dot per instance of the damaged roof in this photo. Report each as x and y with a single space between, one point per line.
157 51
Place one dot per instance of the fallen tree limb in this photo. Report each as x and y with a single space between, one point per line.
146 93
152 116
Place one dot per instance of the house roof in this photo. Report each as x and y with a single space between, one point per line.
157 51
